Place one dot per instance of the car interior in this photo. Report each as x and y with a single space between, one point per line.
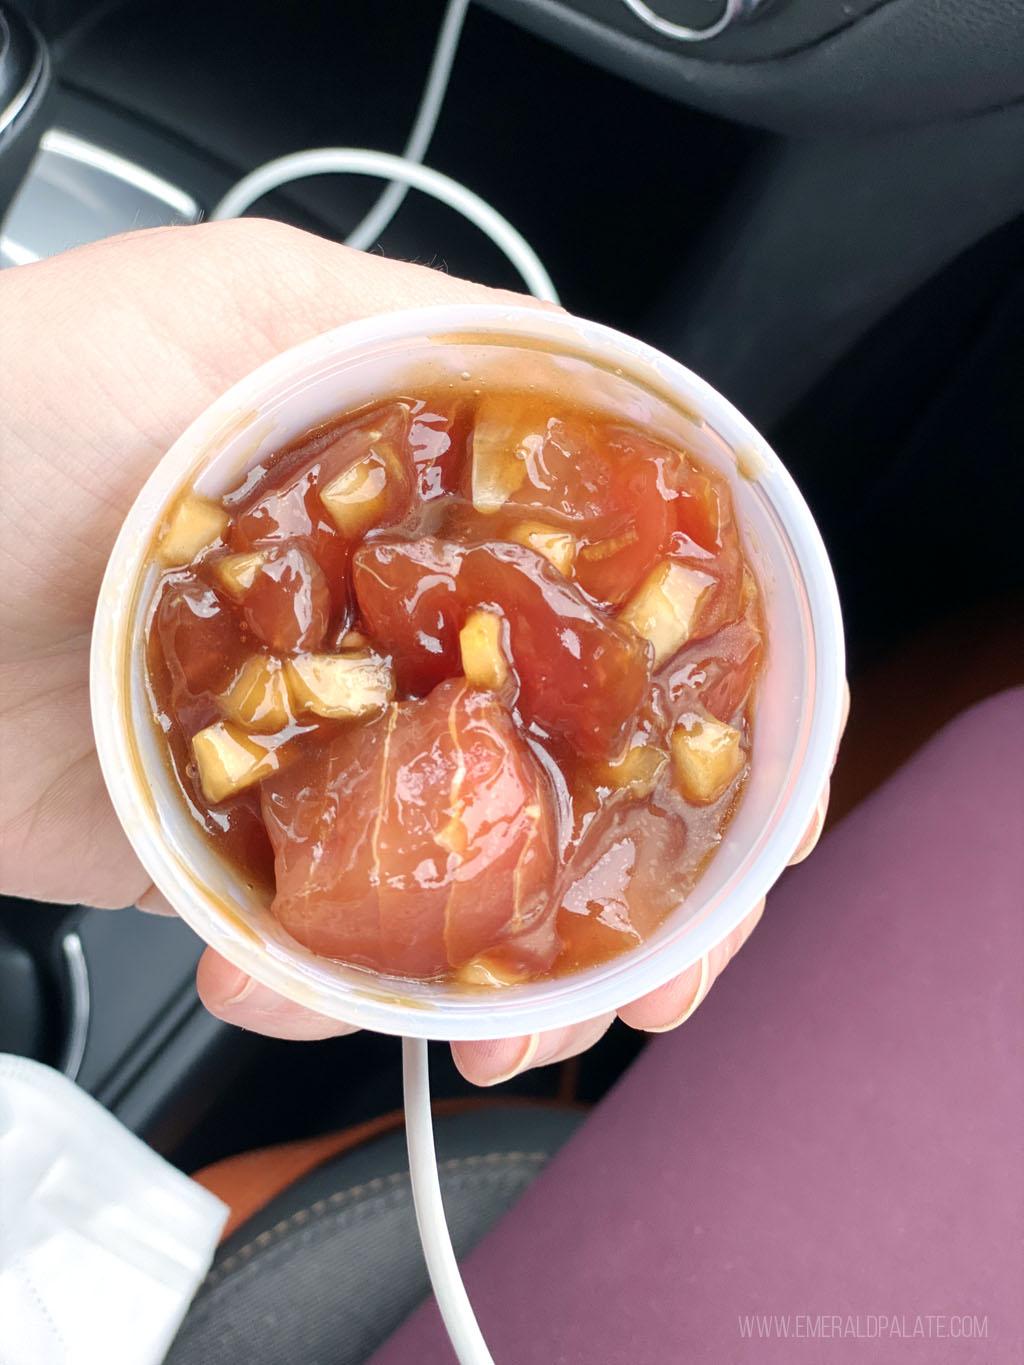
814 204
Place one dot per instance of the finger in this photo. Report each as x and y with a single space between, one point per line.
809 842
672 1004
153 902
238 999
843 721
265 287
490 1063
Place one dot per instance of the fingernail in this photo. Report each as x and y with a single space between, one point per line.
493 1063
703 986
809 842
151 902
240 986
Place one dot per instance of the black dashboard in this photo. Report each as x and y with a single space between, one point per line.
805 66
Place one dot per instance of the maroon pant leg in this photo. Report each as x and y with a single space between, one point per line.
834 1138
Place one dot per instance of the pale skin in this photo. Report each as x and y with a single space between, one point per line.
107 353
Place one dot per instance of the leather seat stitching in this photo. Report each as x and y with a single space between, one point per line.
378 1185
214 1299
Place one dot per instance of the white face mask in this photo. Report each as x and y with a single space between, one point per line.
102 1242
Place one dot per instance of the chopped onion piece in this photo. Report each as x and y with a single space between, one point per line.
357 498
355 639
499 456
341 686
557 547
604 549
483 657
194 524
237 573
666 606
489 972
706 757
638 771
258 697
229 760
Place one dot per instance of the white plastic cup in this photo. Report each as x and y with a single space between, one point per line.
798 702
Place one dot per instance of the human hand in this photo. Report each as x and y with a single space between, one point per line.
107 353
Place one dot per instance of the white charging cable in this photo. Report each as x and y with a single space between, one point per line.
357 161
452 1300
405 172
363 236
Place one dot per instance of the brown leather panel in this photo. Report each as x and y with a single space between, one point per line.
248 1181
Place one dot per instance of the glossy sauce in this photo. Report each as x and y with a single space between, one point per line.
533 818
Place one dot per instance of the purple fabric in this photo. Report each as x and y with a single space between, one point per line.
835 1134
